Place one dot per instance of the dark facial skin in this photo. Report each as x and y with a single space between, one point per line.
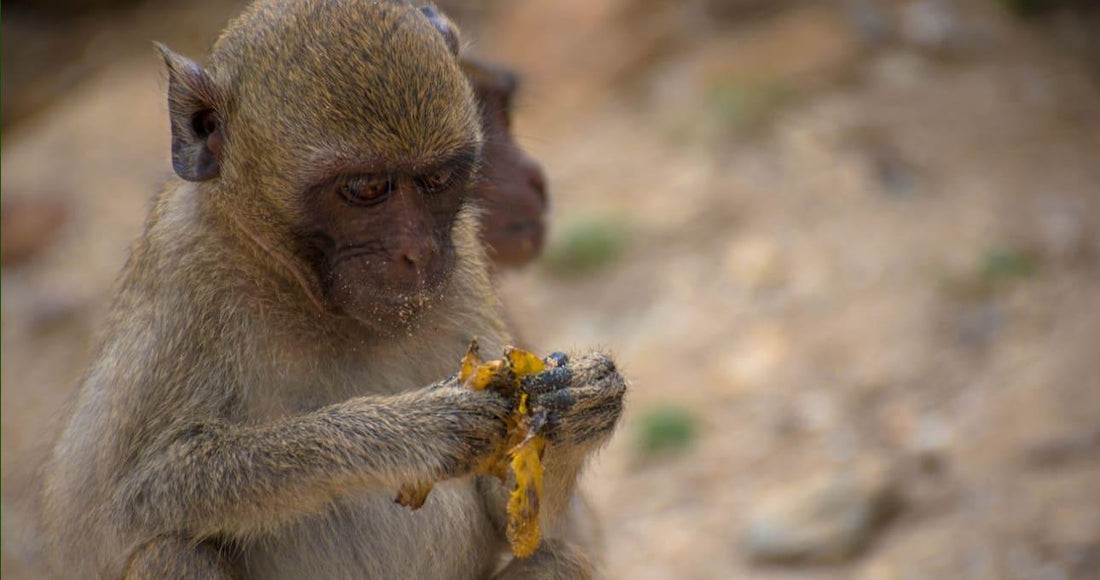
512 185
382 237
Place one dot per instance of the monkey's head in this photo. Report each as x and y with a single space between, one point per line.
342 137
512 188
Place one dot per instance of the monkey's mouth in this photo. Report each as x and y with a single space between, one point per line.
384 295
524 228
421 295
394 310
388 309
516 242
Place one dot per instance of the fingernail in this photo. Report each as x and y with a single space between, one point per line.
549 380
557 359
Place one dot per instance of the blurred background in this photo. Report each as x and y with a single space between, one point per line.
847 251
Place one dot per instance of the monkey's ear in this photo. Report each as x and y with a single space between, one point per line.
444 25
491 81
198 136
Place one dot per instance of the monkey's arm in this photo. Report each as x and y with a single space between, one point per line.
230 480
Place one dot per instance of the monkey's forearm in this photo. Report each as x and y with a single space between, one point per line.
220 479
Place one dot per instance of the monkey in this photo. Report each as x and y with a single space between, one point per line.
512 188
280 357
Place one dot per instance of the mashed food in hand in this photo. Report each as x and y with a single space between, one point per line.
521 450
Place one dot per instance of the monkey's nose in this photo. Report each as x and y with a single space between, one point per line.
538 183
536 178
412 257
416 255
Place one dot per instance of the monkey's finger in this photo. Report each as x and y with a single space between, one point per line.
552 428
556 359
535 426
549 380
558 400
608 391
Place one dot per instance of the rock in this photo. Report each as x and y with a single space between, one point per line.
828 518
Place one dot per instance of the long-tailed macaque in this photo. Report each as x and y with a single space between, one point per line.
280 358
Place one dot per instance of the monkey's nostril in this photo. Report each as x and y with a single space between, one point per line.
417 255
411 255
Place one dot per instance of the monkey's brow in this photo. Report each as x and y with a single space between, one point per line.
322 164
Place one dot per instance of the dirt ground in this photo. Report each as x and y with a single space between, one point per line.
850 263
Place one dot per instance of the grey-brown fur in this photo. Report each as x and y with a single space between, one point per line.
230 424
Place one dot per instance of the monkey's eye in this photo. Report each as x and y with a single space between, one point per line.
436 181
367 190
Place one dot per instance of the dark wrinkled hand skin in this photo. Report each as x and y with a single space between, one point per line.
581 396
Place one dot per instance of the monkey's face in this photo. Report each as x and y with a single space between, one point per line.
343 134
381 238
512 188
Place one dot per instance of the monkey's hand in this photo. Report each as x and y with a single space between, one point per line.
474 425
582 398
